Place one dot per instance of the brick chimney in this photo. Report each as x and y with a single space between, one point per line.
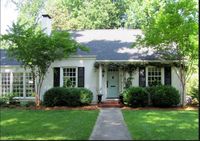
46 23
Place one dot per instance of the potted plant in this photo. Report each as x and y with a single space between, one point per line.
99 96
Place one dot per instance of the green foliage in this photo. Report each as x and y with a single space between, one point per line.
174 27
193 87
55 97
90 14
135 97
83 14
67 82
128 82
7 99
164 96
27 103
173 32
29 10
86 96
60 96
36 50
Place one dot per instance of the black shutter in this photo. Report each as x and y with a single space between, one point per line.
56 77
167 77
142 77
81 76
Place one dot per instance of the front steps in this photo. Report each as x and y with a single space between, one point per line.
110 103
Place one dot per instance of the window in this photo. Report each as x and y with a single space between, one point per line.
5 83
29 84
154 76
69 77
18 84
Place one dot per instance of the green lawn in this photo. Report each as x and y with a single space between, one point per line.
162 124
46 125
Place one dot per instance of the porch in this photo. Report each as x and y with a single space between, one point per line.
113 78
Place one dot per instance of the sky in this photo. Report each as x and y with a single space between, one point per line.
8 15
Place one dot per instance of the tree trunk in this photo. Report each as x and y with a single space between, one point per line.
35 88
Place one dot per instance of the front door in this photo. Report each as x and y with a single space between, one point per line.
113 83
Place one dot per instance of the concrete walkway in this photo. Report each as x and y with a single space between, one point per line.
110 125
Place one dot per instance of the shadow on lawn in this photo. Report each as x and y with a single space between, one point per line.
167 125
30 124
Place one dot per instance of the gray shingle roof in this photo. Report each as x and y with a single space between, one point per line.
5 60
112 44
106 44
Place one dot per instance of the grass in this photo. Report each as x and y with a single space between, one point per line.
162 124
46 125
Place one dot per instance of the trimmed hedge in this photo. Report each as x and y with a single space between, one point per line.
164 96
158 96
135 97
60 96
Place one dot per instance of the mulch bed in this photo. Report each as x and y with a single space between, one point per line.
95 107
90 107
156 108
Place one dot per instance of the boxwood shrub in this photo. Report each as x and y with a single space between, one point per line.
164 96
60 96
135 97
86 96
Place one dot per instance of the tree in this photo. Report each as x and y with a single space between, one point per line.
83 14
90 14
173 32
36 50
29 11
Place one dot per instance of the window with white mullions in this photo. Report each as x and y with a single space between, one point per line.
5 83
29 84
154 76
69 77
18 84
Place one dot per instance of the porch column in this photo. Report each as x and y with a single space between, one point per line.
100 79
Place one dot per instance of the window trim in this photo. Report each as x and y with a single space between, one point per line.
147 75
11 83
62 73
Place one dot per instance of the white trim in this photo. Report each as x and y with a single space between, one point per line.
162 76
65 67
146 75
24 84
82 56
106 79
100 79
76 76
11 82
131 60
61 76
1 84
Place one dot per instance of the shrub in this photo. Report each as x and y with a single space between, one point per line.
192 87
164 96
60 96
2 101
7 99
195 102
86 96
135 97
55 97
27 103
